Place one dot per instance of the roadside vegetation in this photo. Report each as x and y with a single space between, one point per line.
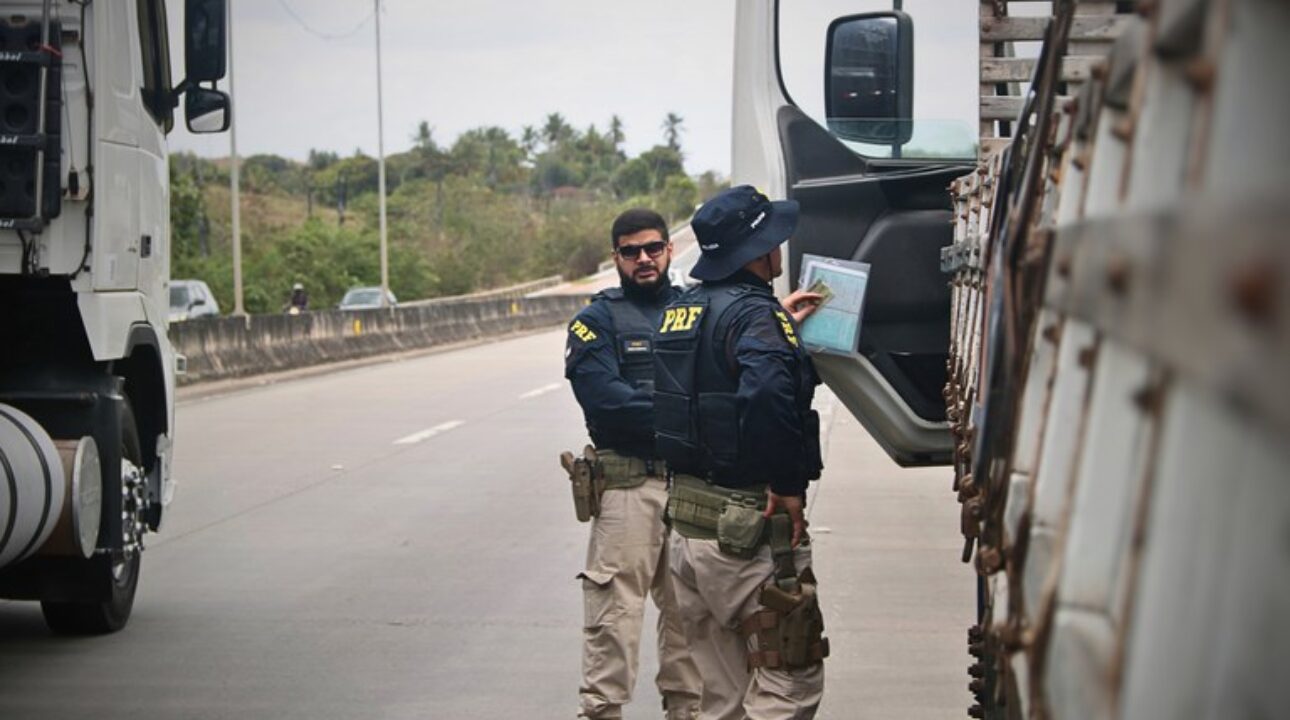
486 210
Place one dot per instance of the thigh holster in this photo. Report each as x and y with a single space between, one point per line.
789 633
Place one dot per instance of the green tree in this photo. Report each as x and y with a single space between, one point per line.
551 172
320 159
663 162
710 183
352 176
616 136
676 199
556 131
489 153
187 211
423 138
462 214
529 141
672 131
633 178
272 174
648 172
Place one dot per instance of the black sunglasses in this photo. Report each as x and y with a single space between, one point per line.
632 252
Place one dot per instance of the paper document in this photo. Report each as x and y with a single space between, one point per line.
836 324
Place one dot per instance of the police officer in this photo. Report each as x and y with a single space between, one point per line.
733 419
608 361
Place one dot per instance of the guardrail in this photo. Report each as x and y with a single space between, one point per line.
506 293
230 347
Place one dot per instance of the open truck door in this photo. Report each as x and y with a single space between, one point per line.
872 181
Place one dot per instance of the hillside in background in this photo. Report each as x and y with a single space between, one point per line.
490 209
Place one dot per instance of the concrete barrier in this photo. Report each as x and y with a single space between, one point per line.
506 293
229 347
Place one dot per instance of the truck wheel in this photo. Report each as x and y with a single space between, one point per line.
114 576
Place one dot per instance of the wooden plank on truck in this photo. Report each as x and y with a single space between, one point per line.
1097 7
987 10
1001 107
994 70
1088 28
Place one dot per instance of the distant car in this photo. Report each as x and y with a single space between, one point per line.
191 299
365 298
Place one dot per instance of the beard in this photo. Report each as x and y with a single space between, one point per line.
659 280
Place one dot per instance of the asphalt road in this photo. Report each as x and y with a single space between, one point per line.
397 541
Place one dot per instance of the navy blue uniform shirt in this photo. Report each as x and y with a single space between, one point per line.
762 343
622 415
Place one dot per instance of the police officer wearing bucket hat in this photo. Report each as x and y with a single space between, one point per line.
609 365
733 419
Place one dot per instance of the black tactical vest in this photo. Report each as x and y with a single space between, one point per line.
633 338
696 410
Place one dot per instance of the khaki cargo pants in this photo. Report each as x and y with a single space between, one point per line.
716 592
627 560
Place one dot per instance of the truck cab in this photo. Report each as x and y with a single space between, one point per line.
87 374
868 153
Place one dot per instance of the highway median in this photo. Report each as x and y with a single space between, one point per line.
238 347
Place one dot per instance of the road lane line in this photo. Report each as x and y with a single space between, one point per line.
540 391
428 433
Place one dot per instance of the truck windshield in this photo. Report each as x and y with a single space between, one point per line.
179 297
946 92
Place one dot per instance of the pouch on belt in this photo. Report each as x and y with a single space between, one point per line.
733 517
587 478
741 526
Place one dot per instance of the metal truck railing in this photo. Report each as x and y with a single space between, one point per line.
1118 388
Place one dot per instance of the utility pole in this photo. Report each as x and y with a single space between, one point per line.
380 149
234 178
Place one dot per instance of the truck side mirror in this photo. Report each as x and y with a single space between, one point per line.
205 40
206 110
869 78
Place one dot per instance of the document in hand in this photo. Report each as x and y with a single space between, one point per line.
836 324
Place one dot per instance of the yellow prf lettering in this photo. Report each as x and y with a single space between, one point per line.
582 332
693 315
680 319
786 327
669 317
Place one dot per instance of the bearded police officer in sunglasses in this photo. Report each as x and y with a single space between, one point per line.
732 409
609 363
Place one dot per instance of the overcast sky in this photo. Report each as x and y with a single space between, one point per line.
460 65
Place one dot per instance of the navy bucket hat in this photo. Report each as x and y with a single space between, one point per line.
737 226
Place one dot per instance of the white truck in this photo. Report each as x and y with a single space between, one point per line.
1086 314
87 375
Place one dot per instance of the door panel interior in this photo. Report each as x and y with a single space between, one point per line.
896 216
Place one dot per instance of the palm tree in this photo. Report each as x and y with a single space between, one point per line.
528 141
672 130
423 138
556 130
616 135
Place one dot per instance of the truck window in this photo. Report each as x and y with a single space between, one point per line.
154 45
945 71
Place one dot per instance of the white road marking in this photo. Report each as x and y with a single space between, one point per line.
429 432
540 391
